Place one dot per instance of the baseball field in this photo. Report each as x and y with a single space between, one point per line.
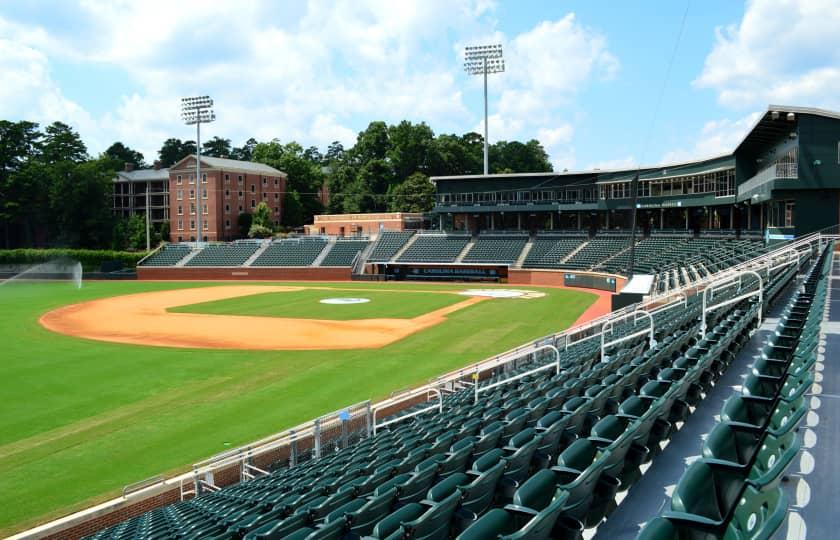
118 381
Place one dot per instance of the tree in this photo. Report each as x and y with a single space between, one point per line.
305 177
174 150
518 157
261 215
243 221
122 154
61 143
416 194
410 149
293 210
80 197
244 152
19 145
216 147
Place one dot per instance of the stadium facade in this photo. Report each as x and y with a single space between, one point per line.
783 179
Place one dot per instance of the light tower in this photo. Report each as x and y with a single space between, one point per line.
481 60
198 110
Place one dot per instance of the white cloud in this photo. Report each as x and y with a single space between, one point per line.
314 72
783 51
626 162
717 137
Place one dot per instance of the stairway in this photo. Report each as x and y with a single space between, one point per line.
260 251
467 248
574 251
189 256
524 255
320 258
410 241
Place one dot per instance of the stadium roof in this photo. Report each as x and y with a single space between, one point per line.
232 165
774 124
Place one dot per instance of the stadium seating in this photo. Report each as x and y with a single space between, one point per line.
544 455
291 252
233 254
343 252
388 244
435 248
746 454
168 255
547 251
597 250
490 248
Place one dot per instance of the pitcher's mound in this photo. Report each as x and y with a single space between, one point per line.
502 293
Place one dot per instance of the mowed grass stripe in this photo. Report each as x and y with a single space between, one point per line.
84 418
307 304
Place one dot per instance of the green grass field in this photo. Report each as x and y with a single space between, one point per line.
306 304
80 419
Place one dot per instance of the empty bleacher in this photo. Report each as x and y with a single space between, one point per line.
492 248
543 454
597 250
291 252
343 252
548 250
435 248
234 254
388 244
168 255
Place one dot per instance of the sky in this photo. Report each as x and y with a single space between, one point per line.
601 84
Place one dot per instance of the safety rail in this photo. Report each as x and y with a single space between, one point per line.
632 335
486 387
143 484
727 281
408 396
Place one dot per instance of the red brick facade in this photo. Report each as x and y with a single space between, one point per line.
226 191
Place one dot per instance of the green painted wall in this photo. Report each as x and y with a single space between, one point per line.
818 139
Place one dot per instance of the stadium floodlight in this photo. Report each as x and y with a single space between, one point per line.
481 60
198 110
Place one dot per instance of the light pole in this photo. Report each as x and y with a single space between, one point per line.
197 110
481 60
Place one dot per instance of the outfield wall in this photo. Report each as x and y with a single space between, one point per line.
557 278
197 273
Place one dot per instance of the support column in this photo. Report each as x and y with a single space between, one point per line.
551 220
493 222
732 217
440 220
607 220
661 218
749 217
686 219
519 221
578 214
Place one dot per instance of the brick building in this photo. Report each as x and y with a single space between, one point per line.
129 192
228 188
365 224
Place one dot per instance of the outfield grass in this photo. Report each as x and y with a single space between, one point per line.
306 304
80 419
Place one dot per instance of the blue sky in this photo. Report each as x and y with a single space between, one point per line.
584 77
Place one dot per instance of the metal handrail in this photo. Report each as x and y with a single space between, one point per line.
728 281
609 324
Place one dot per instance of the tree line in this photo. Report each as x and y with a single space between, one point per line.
53 193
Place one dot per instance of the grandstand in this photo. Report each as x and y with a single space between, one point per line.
434 248
558 437
493 248
234 254
343 252
291 252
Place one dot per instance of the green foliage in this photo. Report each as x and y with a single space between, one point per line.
216 147
416 194
305 178
260 231
61 143
91 259
174 150
121 154
293 210
243 221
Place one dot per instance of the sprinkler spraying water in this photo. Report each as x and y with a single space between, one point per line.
58 270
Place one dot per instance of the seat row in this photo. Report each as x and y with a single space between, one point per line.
733 490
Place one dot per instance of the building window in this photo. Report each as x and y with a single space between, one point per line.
192 209
192 224
180 194
204 209
178 180
227 194
789 208
265 196
277 180
180 210
253 188
265 181
192 194
203 178
227 224
227 179
204 225
192 179
239 179
227 209
204 193
180 224
240 194
277 211
253 203
180 238
276 196
240 209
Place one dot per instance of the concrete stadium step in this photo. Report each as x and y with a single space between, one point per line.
407 245
260 250
574 251
189 256
524 255
467 248
321 256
